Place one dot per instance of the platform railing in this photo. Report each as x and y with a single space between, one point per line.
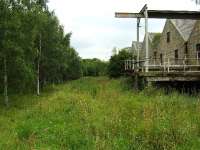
165 65
130 64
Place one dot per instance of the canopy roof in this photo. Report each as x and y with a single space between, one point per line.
165 14
171 14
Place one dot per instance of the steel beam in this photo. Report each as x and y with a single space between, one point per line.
128 15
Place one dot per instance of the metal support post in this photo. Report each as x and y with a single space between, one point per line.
146 41
138 39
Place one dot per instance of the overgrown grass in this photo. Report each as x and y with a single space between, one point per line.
99 113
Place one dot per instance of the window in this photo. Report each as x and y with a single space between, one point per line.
155 55
161 59
168 37
186 48
176 56
198 51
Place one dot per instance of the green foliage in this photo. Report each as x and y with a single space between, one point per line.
24 131
101 113
116 64
156 40
24 27
94 67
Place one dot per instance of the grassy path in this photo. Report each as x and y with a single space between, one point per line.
100 114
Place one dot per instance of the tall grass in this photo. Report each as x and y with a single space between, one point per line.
101 113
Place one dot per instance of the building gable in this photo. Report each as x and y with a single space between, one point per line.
152 45
178 38
184 27
194 40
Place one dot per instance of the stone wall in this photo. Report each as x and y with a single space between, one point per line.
192 42
177 42
168 49
143 50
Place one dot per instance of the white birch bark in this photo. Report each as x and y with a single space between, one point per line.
38 66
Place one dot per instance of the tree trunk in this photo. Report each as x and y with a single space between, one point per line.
38 77
5 83
38 67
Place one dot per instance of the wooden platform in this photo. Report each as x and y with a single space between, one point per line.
165 72
170 76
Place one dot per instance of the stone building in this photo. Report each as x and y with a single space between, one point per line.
154 39
176 41
193 51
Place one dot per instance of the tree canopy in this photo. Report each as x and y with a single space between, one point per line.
94 67
116 63
30 32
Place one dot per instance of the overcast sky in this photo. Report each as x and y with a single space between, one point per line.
94 29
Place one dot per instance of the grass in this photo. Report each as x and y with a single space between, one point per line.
100 114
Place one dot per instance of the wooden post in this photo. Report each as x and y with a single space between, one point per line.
125 65
184 63
168 65
136 87
164 63
133 65
146 40
5 82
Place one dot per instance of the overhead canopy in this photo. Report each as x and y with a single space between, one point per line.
169 14
165 14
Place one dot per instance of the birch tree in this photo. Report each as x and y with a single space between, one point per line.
34 50
4 13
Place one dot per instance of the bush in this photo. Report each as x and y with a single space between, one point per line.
116 63
24 131
94 67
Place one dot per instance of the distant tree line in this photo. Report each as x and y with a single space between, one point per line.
94 67
34 50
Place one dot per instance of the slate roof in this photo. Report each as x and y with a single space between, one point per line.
184 26
134 45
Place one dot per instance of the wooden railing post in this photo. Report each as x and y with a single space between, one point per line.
125 64
168 65
164 64
184 64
